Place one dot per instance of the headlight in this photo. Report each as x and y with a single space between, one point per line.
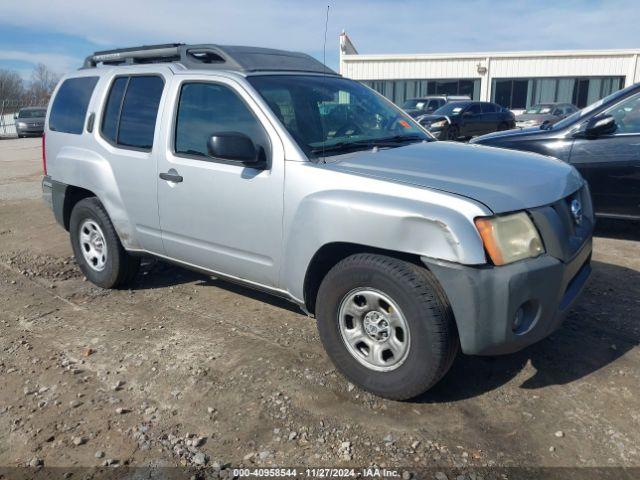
438 124
509 238
22 125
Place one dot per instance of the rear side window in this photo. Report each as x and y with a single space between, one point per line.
69 108
488 108
132 107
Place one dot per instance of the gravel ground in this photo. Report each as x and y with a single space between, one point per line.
186 370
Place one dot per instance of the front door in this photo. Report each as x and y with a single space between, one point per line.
220 214
471 121
611 163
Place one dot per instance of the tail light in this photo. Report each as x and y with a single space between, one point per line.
44 155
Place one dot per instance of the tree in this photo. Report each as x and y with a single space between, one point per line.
11 86
43 81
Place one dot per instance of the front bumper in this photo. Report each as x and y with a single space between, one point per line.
485 299
30 130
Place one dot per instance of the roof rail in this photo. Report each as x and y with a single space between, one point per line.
208 56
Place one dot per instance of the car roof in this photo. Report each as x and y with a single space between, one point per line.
33 108
210 57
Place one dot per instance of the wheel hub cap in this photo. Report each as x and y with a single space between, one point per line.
93 245
376 326
374 329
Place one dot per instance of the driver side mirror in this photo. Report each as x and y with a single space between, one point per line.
233 146
600 125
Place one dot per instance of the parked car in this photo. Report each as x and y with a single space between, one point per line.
602 141
465 119
405 249
549 113
429 104
30 121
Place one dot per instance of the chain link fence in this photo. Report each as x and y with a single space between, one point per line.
8 110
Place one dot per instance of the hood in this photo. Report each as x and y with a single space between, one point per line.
432 118
413 112
539 117
503 180
38 120
506 134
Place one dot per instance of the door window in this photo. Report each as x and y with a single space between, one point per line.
208 108
627 115
130 114
474 109
488 108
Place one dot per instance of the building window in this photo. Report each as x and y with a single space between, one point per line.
520 93
398 91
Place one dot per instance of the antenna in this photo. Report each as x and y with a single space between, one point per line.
324 75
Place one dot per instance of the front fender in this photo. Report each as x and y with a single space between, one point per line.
380 221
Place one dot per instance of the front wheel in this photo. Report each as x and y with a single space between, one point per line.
453 133
387 325
97 248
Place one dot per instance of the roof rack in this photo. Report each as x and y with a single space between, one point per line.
214 57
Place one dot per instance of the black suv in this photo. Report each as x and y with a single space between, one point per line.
466 119
429 104
602 141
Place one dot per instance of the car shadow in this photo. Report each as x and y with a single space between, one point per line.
618 229
598 330
156 273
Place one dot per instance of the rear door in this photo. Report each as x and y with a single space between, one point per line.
221 215
611 163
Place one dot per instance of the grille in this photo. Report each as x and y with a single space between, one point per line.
563 231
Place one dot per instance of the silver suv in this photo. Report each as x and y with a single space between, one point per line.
267 168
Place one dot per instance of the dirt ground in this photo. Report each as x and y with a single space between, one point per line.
188 370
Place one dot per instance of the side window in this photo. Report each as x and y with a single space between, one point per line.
627 115
488 108
474 108
129 117
208 108
69 108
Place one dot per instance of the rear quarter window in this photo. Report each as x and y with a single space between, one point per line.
70 105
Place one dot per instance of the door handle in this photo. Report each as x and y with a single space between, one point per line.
171 176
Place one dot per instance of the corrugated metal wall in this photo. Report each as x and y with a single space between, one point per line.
556 64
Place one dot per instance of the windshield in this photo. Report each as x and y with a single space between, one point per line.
450 109
574 117
539 109
330 115
39 113
414 104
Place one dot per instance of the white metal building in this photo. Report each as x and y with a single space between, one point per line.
514 80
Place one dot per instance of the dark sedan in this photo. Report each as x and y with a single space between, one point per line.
30 121
602 141
466 119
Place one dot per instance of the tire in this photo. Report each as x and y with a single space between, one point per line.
430 342
502 127
453 133
91 230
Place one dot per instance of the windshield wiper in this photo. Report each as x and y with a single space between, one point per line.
393 141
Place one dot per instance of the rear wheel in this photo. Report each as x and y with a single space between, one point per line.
386 324
97 248
502 127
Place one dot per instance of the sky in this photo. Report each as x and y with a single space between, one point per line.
60 33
